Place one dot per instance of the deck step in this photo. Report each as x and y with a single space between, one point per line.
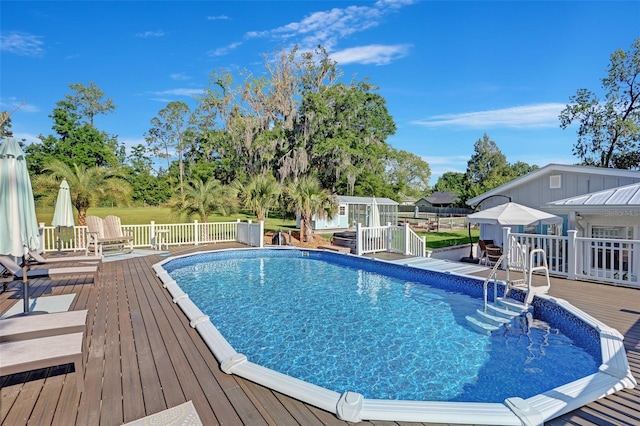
512 304
481 327
491 319
502 311
339 249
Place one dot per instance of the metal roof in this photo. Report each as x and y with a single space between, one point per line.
628 195
365 200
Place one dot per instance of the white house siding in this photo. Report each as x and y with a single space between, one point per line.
534 190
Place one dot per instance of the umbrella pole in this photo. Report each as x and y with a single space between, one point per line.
25 285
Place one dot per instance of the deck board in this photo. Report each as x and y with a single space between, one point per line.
143 357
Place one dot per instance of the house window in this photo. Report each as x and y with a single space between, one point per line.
342 210
617 232
555 181
616 257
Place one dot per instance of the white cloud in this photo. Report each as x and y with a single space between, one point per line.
373 54
29 138
149 34
528 116
328 27
14 104
179 76
131 142
179 92
394 3
22 44
221 51
218 18
444 160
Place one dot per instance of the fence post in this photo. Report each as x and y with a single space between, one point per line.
358 239
506 243
196 233
572 258
261 234
390 232
152 234
407 240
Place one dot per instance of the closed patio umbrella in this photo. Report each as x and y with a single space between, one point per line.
19 231
63 214
374 215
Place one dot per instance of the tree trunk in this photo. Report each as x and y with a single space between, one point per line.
306 233
82 217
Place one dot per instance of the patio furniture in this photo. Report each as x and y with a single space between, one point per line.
493 254
161 239
36 258
42 325
107 233
482 244
13 272
32 354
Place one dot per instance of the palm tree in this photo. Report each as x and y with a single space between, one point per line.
307 198
202 198
87 185
260 194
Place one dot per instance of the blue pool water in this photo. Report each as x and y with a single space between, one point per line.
350 328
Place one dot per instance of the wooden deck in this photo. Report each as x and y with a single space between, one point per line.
143 357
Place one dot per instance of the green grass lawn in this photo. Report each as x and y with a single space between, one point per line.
447 239
144 215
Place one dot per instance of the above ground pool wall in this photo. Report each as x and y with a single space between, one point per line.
614 372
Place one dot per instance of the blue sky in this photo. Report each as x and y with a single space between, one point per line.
449 70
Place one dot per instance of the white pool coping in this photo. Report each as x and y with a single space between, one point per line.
614 375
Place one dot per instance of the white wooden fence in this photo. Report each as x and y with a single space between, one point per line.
615 261
156 235
389 238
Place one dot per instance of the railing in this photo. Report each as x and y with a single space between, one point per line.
372 240
609 260
64 239
389 238
153 235
492 274
556 248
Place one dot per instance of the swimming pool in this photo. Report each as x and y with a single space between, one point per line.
355 401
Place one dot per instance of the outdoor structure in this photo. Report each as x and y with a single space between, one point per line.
352 210
408 201
599 237
438 199
578 194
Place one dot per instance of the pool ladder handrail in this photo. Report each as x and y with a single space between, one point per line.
493 272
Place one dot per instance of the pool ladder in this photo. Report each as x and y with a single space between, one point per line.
499 312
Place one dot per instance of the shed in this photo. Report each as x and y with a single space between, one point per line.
352 210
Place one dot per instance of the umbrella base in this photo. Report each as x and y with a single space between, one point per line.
470 260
